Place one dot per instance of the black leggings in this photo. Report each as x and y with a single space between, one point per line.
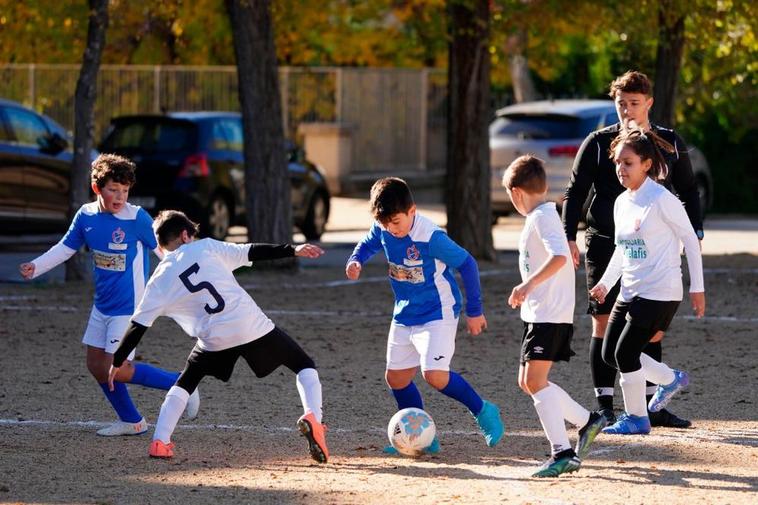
631 325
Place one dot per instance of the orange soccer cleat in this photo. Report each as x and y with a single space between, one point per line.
160 450
315 433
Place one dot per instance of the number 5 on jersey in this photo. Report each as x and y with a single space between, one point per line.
194 288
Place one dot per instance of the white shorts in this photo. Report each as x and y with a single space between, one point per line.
430 345
106 332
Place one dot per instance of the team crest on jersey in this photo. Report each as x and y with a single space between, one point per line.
413 257
117 239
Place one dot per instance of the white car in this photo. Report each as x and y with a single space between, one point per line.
553 130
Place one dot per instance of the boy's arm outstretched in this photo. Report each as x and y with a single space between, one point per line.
56 255
259 252
370 245
443 247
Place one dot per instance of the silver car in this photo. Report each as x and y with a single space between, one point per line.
553 130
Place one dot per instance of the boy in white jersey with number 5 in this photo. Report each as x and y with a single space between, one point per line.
546 298
421 257
120 236
194 285
651 225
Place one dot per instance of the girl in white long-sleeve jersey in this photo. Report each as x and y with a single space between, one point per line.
651 225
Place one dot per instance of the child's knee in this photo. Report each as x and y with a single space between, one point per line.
98 369
395 379
534 384
438 379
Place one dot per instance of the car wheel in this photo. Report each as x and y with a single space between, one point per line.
218 218
316 217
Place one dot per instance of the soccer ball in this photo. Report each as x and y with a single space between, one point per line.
411 431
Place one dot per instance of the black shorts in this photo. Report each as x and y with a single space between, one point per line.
599 252
546 341
263 355
654 315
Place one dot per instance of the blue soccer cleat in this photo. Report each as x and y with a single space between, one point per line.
558 464
588 432
490 423
629 425
664 394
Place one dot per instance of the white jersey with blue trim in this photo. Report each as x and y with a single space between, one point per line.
120 244
419 270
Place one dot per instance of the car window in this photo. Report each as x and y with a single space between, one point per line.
219 137
232 130
152 136
545 126
27 128
610 118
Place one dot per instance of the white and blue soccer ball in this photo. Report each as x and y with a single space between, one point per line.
411 431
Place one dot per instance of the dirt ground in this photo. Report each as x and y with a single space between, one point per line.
243 447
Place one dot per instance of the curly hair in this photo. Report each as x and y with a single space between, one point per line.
631 82
112 167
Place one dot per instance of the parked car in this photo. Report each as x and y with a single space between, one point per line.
553 130
35 171
193 161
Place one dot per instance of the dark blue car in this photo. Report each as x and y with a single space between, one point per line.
193 161
35 171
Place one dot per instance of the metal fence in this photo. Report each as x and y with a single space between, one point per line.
398 115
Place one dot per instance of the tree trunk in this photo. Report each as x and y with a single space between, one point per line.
668 62
84 121
468 153
267 186
523 85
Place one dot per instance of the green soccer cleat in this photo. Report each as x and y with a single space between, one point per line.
588 432
563 462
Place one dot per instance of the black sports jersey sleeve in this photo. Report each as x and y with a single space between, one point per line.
270 251
683 181
583 174
129 343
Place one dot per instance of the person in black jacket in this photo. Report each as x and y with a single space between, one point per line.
631 93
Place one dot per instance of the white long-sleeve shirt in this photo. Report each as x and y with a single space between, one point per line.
651 224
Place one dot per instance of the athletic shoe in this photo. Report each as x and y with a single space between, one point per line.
588 432
563 462
490 423
433 448
120 428
193 405
666 419
663 394
609 415
315 433
160 450
628 424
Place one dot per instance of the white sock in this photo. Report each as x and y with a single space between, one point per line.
633 387
572 411
309 388
656 372
650 390
548 407
171 410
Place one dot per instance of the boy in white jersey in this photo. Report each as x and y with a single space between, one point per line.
546 298
651 224
427 303
194 285
120 236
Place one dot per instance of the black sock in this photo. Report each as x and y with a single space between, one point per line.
603 375
655 351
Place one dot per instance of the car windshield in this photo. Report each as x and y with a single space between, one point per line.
544 126
149 135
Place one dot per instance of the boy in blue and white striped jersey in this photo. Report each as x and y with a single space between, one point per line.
421 260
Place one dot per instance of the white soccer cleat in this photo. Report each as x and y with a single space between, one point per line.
120 428
193 405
